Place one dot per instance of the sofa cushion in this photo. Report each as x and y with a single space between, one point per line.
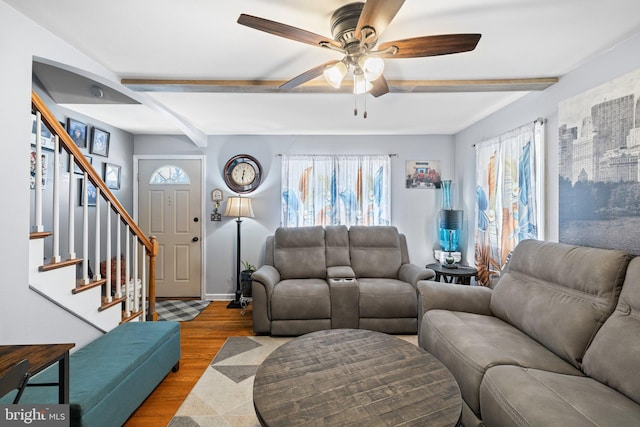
613 357
337 241
559 294
387 298
296 299
468 344
515 396
299 253
375 251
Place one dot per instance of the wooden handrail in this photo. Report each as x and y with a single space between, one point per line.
151 244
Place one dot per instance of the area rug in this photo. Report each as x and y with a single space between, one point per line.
180 310
223 396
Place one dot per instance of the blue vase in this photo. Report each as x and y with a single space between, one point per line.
449 221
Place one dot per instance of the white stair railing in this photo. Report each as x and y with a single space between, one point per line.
138 248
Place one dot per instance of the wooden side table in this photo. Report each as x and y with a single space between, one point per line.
461 275
40 356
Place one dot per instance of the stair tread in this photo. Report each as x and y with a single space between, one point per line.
39 234
106 305
60 264
81 286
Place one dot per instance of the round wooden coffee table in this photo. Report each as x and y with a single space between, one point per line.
351 377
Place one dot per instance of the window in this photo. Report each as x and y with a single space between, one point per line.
332 190
169 175
509 173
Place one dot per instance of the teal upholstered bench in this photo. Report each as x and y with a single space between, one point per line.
111 376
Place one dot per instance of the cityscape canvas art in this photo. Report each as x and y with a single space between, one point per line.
599 147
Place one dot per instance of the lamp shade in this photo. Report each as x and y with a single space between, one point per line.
335 74
238 207
451 219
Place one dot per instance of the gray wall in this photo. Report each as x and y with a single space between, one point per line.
614 63
25 317
413 211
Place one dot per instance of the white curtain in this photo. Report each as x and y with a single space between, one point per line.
331 190
509 172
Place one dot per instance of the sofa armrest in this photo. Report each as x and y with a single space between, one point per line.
340 272
266 275
442 296
412 273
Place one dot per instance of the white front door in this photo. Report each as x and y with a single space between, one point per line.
169 208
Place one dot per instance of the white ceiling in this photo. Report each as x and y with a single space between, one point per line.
200 39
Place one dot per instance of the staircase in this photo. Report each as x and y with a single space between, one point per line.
121 287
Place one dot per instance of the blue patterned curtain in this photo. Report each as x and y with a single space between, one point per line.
509 171
332 190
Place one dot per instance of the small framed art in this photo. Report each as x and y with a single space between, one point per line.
112 176
91 193
77 131
77 170
46 139
44 168
100 142
422 174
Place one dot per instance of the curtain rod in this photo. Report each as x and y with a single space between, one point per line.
389 154
539 119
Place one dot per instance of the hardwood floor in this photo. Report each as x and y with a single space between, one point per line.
200 339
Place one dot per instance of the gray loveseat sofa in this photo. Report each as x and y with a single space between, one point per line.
556 342
317 278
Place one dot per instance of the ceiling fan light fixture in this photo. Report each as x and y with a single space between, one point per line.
361 84
334 74
372 67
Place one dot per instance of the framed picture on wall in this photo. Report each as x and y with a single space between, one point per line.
422 174
46 139
112 176
91 193
44 168
100 142
77 170
77 131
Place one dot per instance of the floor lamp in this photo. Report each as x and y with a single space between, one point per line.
239 207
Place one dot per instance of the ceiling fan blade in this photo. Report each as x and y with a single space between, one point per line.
380 87
430 45
307 75
286 31
377 14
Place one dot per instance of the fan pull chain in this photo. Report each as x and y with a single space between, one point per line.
365 106
355 105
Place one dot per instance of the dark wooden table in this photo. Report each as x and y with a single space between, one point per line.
461 274
354 377
40 357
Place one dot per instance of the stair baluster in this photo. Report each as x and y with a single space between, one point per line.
38 175
56 200
72 220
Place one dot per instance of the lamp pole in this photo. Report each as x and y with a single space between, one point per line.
236 302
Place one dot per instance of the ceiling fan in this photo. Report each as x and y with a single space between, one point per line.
356 28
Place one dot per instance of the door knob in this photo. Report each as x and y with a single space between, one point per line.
195 239
195 219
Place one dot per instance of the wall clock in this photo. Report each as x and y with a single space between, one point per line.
243 173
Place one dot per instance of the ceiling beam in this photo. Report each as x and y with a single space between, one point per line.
320 86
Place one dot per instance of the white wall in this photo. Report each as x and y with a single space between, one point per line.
616 62
413 211
24 317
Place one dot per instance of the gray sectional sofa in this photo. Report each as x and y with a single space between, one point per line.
317 278
556 342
